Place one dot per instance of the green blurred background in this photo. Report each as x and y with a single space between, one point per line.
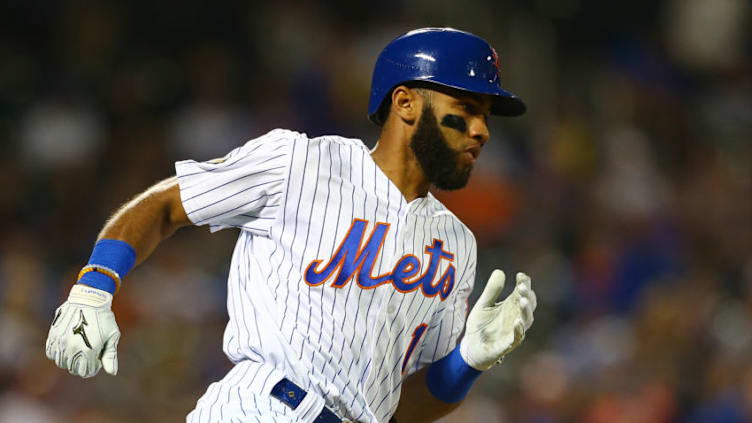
625 191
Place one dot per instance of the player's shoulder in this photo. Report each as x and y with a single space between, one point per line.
342 142
301 139
276 141
275 136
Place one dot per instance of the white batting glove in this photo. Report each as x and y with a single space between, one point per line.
84 335
494 329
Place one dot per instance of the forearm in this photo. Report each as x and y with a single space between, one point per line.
148 219
132 234
417 404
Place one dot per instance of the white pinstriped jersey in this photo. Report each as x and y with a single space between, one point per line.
337 282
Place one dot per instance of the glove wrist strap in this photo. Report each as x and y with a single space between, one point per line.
86 295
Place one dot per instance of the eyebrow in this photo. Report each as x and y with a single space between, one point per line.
475 101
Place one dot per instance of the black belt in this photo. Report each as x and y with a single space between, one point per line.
291 394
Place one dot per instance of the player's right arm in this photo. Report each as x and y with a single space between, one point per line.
84 335
244 189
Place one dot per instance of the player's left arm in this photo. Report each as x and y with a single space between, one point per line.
493 330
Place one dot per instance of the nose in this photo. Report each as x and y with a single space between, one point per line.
478 130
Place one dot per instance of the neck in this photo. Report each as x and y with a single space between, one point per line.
396 159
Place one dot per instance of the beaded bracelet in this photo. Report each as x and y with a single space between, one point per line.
103 270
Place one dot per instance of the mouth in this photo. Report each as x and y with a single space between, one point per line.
472 153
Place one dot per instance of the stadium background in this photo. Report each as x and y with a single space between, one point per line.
625 191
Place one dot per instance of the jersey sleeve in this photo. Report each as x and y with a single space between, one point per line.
448 321
243 189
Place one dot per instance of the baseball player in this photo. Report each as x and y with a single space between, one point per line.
349 282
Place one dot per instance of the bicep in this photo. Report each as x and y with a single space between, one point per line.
176 215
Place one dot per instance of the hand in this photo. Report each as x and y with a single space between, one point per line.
84 335
494 329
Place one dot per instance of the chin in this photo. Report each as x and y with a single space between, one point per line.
457 181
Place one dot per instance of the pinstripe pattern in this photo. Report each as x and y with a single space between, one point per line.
295 199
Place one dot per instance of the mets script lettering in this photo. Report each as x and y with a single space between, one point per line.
354 258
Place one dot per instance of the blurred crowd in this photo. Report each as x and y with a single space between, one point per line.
625 191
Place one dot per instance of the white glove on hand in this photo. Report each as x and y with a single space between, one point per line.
494 329
84 335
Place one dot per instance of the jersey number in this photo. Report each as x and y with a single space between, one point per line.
417 334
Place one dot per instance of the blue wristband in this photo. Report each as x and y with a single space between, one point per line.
113 254
450 378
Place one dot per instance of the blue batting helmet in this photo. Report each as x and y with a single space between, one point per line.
443 56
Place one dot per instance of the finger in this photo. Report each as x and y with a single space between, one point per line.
93 368
533 299
61 360
523 279
529 294
53 355
493 289
519 331
526 312
81 367
61 345
59 353
73 364
48 348
109 357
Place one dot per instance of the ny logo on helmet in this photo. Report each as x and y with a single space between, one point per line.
497 65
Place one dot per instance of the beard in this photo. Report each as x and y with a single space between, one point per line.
440 163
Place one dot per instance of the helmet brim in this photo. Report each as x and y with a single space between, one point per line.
503 102
507 104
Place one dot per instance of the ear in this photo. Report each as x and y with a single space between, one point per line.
406 104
